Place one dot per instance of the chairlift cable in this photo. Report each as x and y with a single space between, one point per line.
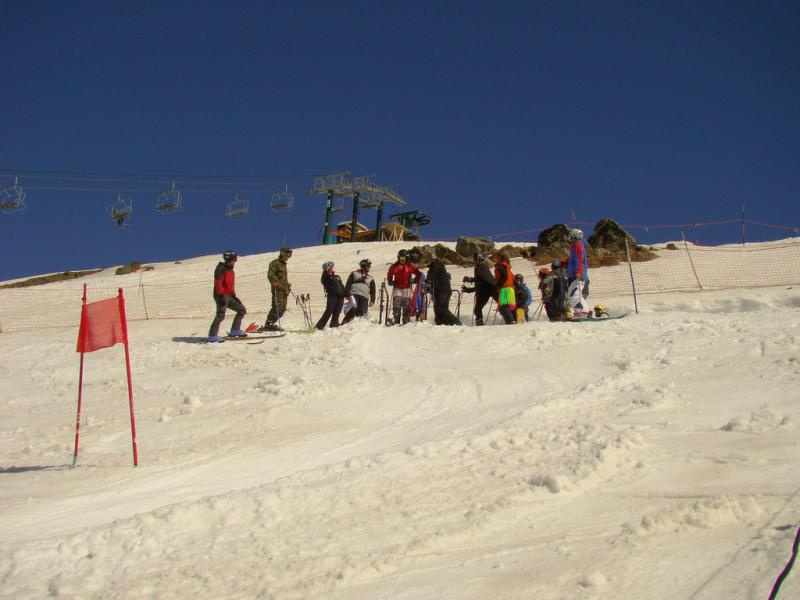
279 180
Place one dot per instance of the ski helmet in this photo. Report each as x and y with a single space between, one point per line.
599 310
576 234
519 278
402 254
365 264
229 256
328 266
555 265
543 273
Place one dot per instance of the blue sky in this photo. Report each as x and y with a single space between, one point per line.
492 117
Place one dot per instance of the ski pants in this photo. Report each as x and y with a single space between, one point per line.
441 310
507 305
359 310
224 303
279 298
401 302
333 308
481 298
576 297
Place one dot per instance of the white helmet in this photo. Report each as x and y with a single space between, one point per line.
576 234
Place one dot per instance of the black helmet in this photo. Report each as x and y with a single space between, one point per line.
519 279
478 257
402 254
229 256
365 263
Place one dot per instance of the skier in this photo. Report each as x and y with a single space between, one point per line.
334 289
278 277
523 296
578 274
361 286
225 297
400 276
483 286
546 284
438 282
504 279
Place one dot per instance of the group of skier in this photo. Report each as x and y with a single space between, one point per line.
564 288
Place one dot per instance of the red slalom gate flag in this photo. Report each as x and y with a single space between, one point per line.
102 325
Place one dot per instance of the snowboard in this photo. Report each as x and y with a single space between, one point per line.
597 319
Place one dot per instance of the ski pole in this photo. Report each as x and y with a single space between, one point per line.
538 311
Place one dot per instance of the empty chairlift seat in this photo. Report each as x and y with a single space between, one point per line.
282 200
238 207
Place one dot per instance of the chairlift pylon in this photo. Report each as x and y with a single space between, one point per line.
282 200
169 201
238 207
121 211
12 198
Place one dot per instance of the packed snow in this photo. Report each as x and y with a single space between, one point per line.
655 456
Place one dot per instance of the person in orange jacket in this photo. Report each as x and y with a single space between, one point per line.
504 279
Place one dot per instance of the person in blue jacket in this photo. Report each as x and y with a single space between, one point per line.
524 298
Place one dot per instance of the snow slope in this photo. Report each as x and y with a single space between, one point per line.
656 456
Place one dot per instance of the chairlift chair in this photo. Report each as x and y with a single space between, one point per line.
12 198
121 210
282 200
238 207
169 201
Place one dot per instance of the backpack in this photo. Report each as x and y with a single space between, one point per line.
547 286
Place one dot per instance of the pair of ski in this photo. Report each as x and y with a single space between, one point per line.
418 305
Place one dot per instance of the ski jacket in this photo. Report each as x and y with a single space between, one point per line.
438 277
483 280
224 280
333 285
361 284
400 274
578 264
503 276
547 286
523 295
278 275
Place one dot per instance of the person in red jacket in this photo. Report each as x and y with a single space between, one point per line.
225 297
400 277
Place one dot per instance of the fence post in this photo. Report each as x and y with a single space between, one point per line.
144 298
633 283
691 262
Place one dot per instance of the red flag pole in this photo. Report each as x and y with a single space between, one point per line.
130 384
80 392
